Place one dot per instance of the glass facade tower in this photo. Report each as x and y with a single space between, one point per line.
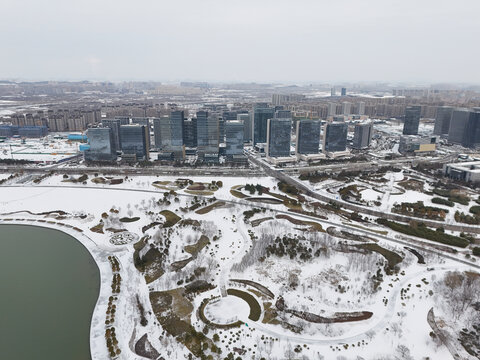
308 136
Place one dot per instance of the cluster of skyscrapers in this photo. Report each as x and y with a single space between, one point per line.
209 134
459 125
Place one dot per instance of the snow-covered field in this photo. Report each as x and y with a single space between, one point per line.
338 279
46 149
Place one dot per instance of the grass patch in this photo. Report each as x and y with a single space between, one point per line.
255 309
257 222
97 228
199 192
313 225
270 314
453 195
392 257
171 218
129 220
381 232
420 230
418 209
195 249
210 207
151 264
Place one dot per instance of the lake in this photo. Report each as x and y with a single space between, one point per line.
49 285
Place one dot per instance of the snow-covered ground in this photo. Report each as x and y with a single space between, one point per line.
47 149
335 281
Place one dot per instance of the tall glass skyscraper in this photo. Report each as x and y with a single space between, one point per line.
234 138
308 136
247 126
114 124
412 120
207 134
168 132
335 137
278 137
362 135
472 131
135 140
260 117
458 125
442 120
190 132
102 145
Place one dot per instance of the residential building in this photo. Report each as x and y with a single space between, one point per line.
346 108
361 108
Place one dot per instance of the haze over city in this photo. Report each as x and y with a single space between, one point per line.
428 41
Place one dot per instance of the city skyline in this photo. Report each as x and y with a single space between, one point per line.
239 42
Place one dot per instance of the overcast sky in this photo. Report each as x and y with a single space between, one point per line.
241 40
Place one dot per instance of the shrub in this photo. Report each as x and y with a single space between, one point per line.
437 200
476 251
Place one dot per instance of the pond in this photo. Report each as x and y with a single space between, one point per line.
49 287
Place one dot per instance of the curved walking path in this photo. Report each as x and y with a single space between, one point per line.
389 311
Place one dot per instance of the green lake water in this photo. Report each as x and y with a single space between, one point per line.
49 284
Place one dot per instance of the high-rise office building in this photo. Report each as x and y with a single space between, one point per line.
278 137
344 91
124 120
442 120
283 114
234 138
102 145
247 126
308 137
412 120
114 124
332 91
168 131
472 130
458 126
362 135
141 121
335 137
207 135
190 132
221 128
135 141
260 117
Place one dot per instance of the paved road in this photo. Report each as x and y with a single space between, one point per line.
282 176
